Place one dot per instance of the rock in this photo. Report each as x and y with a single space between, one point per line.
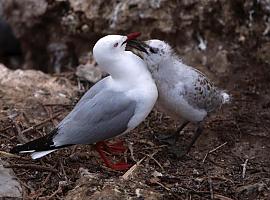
265 5
148 194
93 186
251 189
89 187
213 62
61 57
29 89
263 53
86 185
9 186
123 15
157 174
89 72
10 49
9 45
15 11
218 62
108 193
34 84
81 22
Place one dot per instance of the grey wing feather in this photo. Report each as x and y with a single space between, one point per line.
101 117
94 90
202 93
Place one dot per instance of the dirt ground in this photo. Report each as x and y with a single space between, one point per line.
229 161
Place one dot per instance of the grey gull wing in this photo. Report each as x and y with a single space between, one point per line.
104 116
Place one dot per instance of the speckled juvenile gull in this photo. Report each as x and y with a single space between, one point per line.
113 106
185 93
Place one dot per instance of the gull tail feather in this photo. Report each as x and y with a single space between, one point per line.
226 98
39 147
40 154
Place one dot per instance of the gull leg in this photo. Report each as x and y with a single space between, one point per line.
173 138
100 147
197 134
178 152
117 147
180 128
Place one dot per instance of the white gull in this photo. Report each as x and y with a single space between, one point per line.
113 106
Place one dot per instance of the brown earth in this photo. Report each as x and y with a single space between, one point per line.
236 58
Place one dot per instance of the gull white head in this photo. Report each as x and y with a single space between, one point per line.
109 46
110 49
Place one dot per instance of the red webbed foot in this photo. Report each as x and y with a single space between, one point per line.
117 147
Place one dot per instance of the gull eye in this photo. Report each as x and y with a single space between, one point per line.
115 45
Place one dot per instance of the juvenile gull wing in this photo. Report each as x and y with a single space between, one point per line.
105 115
202 93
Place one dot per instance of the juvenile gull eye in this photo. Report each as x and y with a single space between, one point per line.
116 44
153 50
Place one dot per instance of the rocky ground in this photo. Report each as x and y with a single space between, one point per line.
227 40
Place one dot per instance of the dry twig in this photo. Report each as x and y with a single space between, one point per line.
131 149
221 197
244 168
31 166
211 188
6 128
21 138
132 169
41 123
59 189
4 154
213 150
152 157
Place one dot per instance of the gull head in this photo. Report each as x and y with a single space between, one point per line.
157 51
110 47
111 55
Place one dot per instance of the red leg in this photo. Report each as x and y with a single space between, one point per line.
118 166
117 147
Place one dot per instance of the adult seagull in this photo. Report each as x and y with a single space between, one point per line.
113 106
185 93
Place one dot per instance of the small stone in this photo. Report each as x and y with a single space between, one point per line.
157 174
252 188
9 186
89 72
85 28
196 172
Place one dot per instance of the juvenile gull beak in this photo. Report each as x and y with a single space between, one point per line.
133 43
142 46
139 45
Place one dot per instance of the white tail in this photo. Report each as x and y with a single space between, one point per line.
225 98
40 154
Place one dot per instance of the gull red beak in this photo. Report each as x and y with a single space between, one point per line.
133 36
